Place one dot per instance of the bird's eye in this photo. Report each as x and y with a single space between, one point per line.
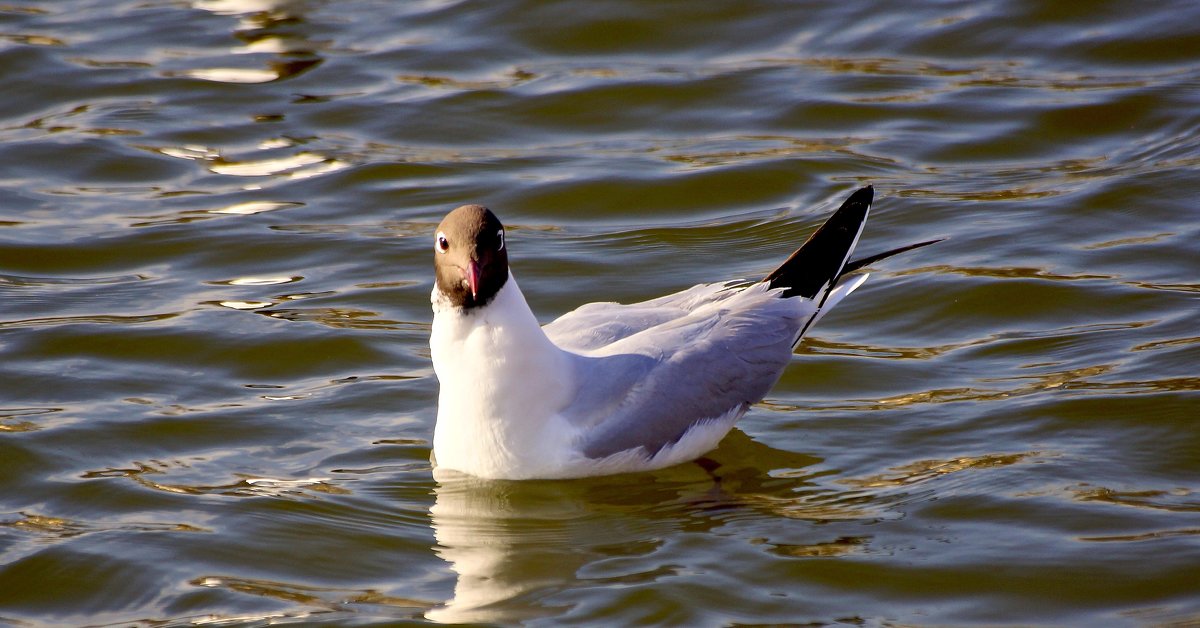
442 244
500 236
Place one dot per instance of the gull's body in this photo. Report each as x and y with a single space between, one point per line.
612 388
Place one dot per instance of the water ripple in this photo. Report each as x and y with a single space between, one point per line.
952 445
102 319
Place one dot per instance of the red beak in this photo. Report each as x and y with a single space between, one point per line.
473 278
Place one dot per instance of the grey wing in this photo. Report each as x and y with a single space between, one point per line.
718 365
597 325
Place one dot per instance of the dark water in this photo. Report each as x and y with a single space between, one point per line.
216 401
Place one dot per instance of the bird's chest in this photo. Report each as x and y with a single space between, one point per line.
499 398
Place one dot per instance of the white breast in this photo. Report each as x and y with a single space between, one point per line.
502 386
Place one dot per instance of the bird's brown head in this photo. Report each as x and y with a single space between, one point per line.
470 259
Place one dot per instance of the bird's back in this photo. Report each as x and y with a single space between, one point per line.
657 369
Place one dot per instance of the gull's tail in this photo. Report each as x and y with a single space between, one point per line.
814 270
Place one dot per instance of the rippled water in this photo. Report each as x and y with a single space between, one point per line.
216 401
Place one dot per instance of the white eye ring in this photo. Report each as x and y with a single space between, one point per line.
500 234
441 244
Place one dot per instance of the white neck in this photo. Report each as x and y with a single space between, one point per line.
502 384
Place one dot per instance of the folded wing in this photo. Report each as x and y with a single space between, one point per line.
682 373
652 371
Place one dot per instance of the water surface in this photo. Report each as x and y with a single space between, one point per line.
216 400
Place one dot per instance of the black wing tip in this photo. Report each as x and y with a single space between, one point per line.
862 195
820 260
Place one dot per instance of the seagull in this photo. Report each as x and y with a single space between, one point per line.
611 388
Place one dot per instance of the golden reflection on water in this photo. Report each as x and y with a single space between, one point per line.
1146 536
1174 500
753 147
84 119
949 79
841 546
329 599
1001 272
32 40
924 470
510 79
7 425
11 418
340 318
1074 379
1169 287
245 486
62 528
103 319
316 389
1126 241
55 526
1036 383
1164 344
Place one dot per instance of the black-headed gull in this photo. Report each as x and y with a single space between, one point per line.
611 388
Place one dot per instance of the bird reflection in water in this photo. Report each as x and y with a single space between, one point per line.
514 545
